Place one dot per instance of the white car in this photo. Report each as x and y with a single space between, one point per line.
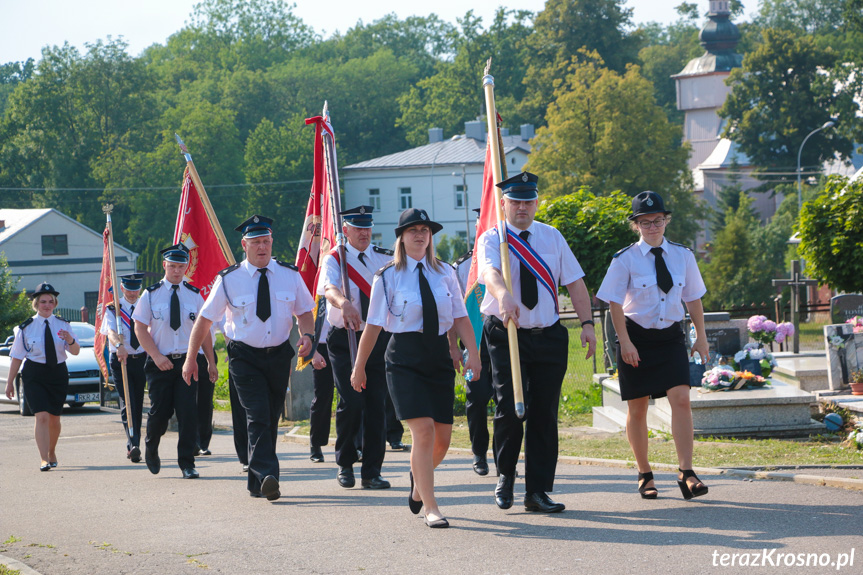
85 379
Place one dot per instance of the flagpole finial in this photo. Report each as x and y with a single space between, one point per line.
108 208
181 144
326 111
487 67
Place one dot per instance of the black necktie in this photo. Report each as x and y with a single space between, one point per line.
175 308
663 276
529 296
263 311
133 339
364 299
430 322
50 350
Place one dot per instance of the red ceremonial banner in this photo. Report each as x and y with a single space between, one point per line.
487 210
195 231
105 299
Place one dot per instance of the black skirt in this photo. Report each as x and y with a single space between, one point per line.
663 362
421 380
45 387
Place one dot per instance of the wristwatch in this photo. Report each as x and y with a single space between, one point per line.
587 322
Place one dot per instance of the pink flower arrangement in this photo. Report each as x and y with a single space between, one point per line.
857 322
767 331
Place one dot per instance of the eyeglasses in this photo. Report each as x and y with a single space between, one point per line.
658 222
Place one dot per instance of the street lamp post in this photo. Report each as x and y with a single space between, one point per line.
465 202
828 124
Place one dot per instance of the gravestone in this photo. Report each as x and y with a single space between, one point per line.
844 307
725 336
844 353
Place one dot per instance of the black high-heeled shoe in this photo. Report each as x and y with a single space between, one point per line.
414 505
646 492
684 486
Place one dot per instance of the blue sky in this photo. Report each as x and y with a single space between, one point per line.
28 25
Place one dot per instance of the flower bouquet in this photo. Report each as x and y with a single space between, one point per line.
758 358
857 322
766 331
855 438
749 380
720 378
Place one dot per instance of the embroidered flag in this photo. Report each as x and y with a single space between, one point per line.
104 300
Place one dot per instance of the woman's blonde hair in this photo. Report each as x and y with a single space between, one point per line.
36 299
400 256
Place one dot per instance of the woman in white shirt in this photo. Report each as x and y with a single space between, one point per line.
417 298
43 341
645 287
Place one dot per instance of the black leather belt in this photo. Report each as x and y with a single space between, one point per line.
176 356
263 350
531 330
131 355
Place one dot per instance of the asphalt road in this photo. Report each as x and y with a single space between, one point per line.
98 513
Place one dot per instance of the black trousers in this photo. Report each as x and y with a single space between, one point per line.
478 393
238 420
543 355
395 429
261 378
367 407
169 394
206 389
321 410
137 381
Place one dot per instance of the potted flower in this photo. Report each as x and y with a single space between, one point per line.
856 382
766 331
755 359
857 323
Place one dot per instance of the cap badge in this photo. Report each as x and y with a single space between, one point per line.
524 177
423 216
362 210
649 202
255 219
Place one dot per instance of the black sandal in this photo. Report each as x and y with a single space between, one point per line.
646 492
684 486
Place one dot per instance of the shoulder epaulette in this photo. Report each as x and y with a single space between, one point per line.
384 251
229 269
681 245
61 318
155 286
26 323
287 265
464 258
191 287
111 306
383 269
624 249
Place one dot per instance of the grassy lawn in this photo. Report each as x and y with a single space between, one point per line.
709 452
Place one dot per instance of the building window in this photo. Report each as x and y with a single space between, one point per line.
55 245
459 197
377 238
375 198
405 200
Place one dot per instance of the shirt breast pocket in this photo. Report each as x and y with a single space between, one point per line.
442 295
243 308
190 312
645 289
37 351
679 284
403 301
285 303
160 312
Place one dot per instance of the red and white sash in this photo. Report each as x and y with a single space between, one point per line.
357 272
537 266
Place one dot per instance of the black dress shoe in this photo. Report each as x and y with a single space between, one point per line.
256 494
317 456
204 452
151 458
503 492
480 465
53 464
270 488
135 455
397 445
375 483
414 505
346 477
45 467
190 473
245 468
542 502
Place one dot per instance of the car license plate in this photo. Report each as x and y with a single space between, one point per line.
85 397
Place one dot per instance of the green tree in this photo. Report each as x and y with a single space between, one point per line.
595 227
450 248
12 74
14 305
809 16
831 235
782 93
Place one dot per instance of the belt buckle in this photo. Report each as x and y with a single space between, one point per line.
536 330
176 355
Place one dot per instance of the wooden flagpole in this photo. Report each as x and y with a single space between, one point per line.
205 200
108 208
512 332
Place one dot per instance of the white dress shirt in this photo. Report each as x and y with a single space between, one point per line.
235 294
396 305
631 282
30 342
553 249
109 323
332 275
154 310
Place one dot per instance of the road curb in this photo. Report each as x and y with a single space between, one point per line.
17 565
805 479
